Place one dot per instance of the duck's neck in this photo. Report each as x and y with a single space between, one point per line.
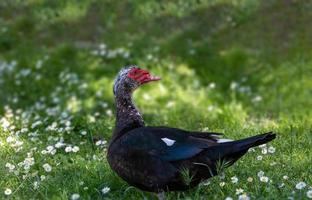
127 115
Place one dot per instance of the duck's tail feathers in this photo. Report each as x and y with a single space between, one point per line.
254 141
233 150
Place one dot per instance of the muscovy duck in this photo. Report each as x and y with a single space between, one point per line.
156 159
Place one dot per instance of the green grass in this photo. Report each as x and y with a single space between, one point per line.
237 67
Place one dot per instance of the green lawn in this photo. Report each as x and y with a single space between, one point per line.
237 67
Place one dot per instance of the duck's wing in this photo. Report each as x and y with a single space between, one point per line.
169 144
172 144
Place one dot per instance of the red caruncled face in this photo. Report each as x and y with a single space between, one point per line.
141 76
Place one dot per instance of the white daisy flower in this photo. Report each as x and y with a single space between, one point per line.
7 191
47 167
59 145
256 99
75 196
10 139
43 152
264 179
42 177
239 191
50 148
249 179
271 149
75 149
228 198
262 146
264 151
301 185
251 150
53 152
36 185
260 174
234 179
109 112
68 149
100 142
243 197
212 85
105 190
309 194
10 166
233 85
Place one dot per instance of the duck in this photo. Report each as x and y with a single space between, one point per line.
161 159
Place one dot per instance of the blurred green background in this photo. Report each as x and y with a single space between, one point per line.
234 66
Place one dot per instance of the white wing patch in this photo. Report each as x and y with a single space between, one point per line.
223 140
168 141
214 135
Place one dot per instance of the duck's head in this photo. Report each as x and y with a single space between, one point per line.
130 78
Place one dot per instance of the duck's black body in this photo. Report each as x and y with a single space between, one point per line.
158 159
144 160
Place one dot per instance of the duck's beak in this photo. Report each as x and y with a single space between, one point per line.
149 78
154 78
